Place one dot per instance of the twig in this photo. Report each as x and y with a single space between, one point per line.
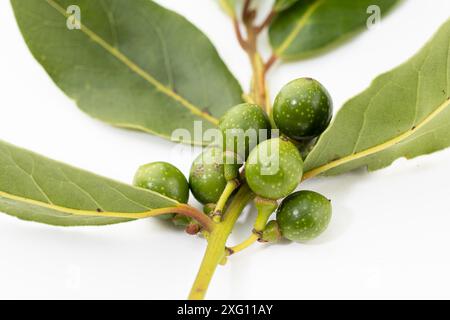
243 43
246 11
270 63
266 22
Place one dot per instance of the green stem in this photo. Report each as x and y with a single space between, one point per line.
227 192
215 251
265 209
244 244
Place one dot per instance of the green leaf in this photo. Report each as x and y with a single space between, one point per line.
314 25
35 188
281 5
132 64
404 113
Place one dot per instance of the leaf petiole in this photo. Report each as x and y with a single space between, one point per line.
182 209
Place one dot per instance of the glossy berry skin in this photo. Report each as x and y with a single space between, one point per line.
239 120
164 178
303 109
274 169
303 216
207 179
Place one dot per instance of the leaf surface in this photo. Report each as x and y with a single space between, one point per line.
310 26
133 64
35 188
281 5
404 113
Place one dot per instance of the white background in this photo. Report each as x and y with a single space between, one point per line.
389 237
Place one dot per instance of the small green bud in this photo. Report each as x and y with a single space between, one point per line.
209 208
180 220
271 233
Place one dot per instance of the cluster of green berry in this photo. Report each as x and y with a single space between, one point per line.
272 166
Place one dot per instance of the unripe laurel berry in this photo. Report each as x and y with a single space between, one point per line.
303 109
207 179
164 178
241 127
274 169
303 216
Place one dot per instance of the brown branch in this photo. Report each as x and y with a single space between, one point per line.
270 63
246 11
266 22
243 43
250 45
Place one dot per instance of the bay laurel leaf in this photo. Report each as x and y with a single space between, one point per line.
308 27
132 64
281 5
38 189
404 113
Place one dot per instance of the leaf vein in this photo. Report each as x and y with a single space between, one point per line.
364 122
33 180
128 198
137 69
298 27
81 189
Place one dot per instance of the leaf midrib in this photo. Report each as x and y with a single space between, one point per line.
378 148
136 69
78 212
298 28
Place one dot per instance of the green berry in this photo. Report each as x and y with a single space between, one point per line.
164 178
274 169
207 178
303 216
303 109
241 127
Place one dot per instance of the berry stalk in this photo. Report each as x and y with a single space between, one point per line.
227 192
265 208
216 249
